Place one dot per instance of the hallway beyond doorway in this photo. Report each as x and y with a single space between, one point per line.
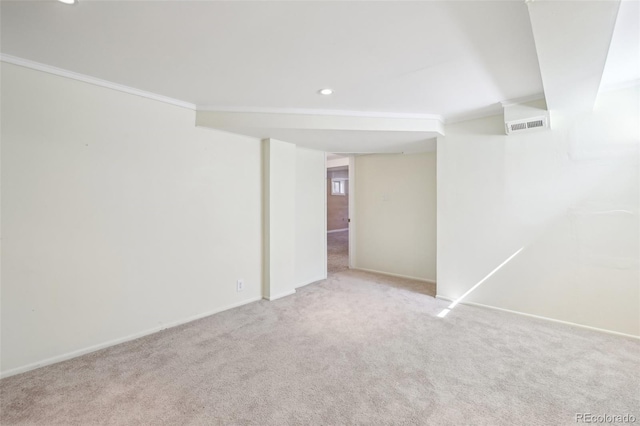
337 252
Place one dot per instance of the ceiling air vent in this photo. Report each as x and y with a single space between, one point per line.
520 126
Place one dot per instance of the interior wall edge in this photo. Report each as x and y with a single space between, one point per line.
311 281
280 295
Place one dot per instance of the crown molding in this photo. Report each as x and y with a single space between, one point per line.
92 80
324 112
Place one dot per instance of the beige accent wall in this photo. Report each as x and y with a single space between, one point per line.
395 197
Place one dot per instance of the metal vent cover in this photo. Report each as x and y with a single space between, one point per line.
533 123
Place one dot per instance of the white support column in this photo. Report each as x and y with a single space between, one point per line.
279 176
352 212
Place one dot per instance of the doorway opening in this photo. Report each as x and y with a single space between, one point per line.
337 213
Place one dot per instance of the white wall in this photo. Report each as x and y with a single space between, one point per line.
568 196
395 210
310 221
119 216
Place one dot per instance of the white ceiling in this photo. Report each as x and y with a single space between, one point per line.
423 60
446 58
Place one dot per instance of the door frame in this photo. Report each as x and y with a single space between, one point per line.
352 211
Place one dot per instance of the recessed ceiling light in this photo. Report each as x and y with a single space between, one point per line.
325 92
67 1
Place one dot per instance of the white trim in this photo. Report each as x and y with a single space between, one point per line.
92 80
83 351
280 296
426 280
352 211
330 112
337 230
315 280
325 248
573 324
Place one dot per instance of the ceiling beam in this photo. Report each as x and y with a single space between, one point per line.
572 40
331 133
233 120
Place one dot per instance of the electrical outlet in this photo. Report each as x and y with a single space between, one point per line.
240 285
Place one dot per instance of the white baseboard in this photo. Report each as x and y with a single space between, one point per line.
280 295
395 275
337 230
83 351
573 324
315 280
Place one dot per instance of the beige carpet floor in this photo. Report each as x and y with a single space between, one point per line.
354 349
337 252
